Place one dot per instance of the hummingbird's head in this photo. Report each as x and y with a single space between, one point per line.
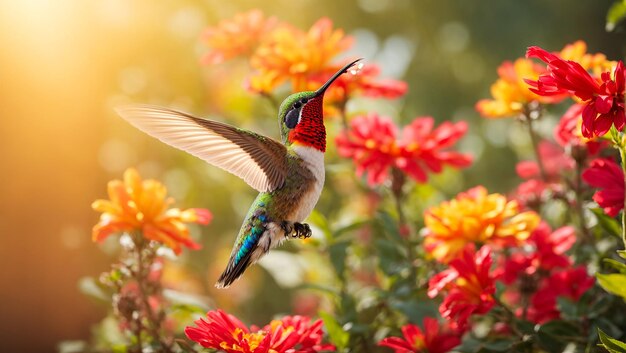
301 115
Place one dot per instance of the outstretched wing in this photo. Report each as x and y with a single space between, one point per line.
258 160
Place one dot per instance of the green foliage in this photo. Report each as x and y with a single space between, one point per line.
608 223
611 344
614 283
615 15
338 336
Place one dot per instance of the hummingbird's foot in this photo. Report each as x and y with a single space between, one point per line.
302 230
296 230
287 227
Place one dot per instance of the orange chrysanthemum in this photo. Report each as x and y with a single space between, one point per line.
137 205
510 93
292 55
237 36
475 216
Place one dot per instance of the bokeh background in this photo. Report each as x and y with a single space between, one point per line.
65 64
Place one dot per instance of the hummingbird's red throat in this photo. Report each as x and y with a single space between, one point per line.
310 130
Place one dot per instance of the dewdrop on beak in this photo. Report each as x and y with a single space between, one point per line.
355 70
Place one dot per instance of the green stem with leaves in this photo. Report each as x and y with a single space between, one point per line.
618 142
622 153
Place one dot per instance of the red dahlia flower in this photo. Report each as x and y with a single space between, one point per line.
570 284
469 286
548 252
568 133
297 334
292 334
608 176
371 143
603 98
434 338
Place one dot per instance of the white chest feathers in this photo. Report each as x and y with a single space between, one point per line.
314 161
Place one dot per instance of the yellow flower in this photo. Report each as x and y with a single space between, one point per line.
142 206
237 36
292 55
478 217
595 63
510 93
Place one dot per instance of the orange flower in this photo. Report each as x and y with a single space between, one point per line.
237 36
142 206
475 216
510 93
596 63
289 54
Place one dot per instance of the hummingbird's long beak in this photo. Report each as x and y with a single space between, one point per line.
322 89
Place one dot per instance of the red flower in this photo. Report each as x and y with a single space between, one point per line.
297 334
555 161
226 332
292 334
469 286
604 98
608 176
548 252
371 143
422 147
434 338
570 283
530 192
568 131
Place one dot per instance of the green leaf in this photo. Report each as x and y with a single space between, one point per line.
608 223
599 306
415 310
616 14
554 335
614 283
390 257
611 344
319 287
349 228
621 267
567 307
187 299
318 219
500 344
338 336
390 225
524 326
338 253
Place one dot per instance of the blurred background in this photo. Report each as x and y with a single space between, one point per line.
64 65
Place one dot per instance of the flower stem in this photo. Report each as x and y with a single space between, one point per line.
622 152
154 322
534 138
397 183
579 202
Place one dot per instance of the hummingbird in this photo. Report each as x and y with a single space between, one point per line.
289 174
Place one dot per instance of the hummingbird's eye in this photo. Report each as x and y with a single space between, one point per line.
297 105
291 119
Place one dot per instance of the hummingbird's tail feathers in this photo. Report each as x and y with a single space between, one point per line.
233 271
